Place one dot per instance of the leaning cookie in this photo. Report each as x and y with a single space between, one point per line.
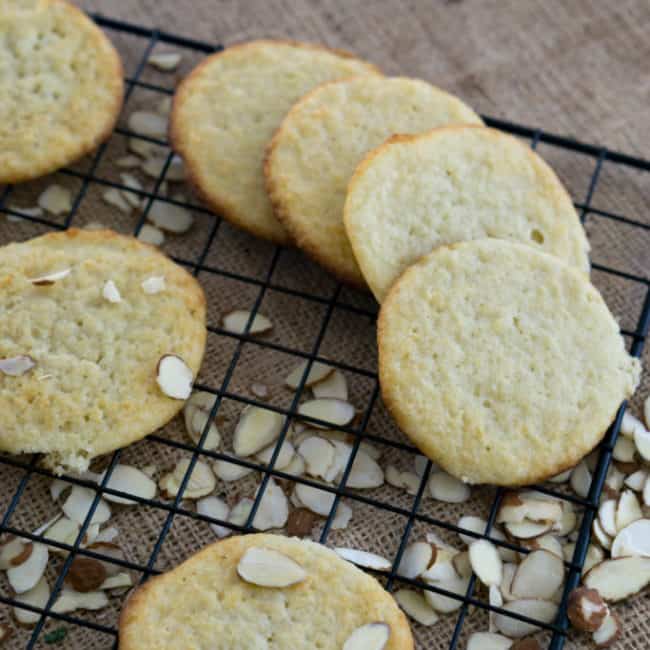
322 139
86 317
61 87
245 591
225 112
501 363
452 184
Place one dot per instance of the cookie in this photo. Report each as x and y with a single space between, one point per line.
501 363
61 87
205 602
322 139
417 192
90 383
225 112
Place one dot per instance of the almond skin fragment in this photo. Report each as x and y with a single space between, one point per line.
586 609
301 522
86 574
23 556
526 644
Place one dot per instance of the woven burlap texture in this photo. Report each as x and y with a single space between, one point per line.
347 337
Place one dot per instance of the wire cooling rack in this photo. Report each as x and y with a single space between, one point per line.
260 284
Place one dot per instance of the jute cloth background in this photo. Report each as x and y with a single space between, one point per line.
576 68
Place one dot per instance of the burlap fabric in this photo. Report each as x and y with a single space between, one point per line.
576 68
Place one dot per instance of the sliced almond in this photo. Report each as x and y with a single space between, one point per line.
37 596
334 412
108 534
174 377
446 604
637 480
609 631
118 581
614 479
57 487
581 479
151 235
111 551
538 576
10 550
546 542
301 522
627 510
332 387
111 293
199 421
257 428
486 562
539 610
273 509
528 529
318 501
64 531
164 106
201 483
86 574
601 536
154 284
70 600
78 503
130 181
624 450
449 489
642 443
241 511
342 453
128 162
230 471
50 278
142 148
342 517
236 322
441 570
165 61
630 424
317 372
586 609
474 525
115 198
16 366
509 570
284 458
146 123
365 473
415 560
495 599
634 539
462 565
318 454
529 505
646 493
488 641
607 516
260 390
372 636
393 476
170 217
24 576
563 477
364 558
131 480
56 199
268 568
414 604
154 166
215 508
620 578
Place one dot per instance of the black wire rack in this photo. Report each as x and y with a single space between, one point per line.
558 629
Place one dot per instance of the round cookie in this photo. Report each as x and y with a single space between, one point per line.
322 139
501 363
452 184
93 388
61 87
205 603
225 112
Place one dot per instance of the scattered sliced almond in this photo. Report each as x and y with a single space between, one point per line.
581 479
608 632
236 322
197 424
415 560
301 522
342 517
70 600
624 450
24 576
627 510
646 493
131 480
17 366
318 454
130 181
586 609
614 479
486 562
111 293
201 483
414 604
563 477
50 278
595 555
488 641
35 211
146 123
334 412
642 443
165 61
342 453
473 524
462 565
601 536
64 531
86 574
282 462
164 106
538 576
449 489
268 568
318 501
630 424
37 596
118 581
151 235
607 516
619 578
239 514
568 521
332 387
56 199
257 428
317 372
108 550
528 529
273 510
509 570
529 506
634 539
441 569
142 148
260 390
170 217
637 480
546 542
115 198
372 636
128 162
215 508
364 558
229 472
539 610
174 377
10 550
365 473
446 604
153 168
78 503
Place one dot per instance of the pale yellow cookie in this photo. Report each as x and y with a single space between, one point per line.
415 193
61 87
501 363
322 139
205 603
226 111
93 386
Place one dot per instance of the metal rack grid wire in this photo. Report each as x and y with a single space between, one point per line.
558 628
